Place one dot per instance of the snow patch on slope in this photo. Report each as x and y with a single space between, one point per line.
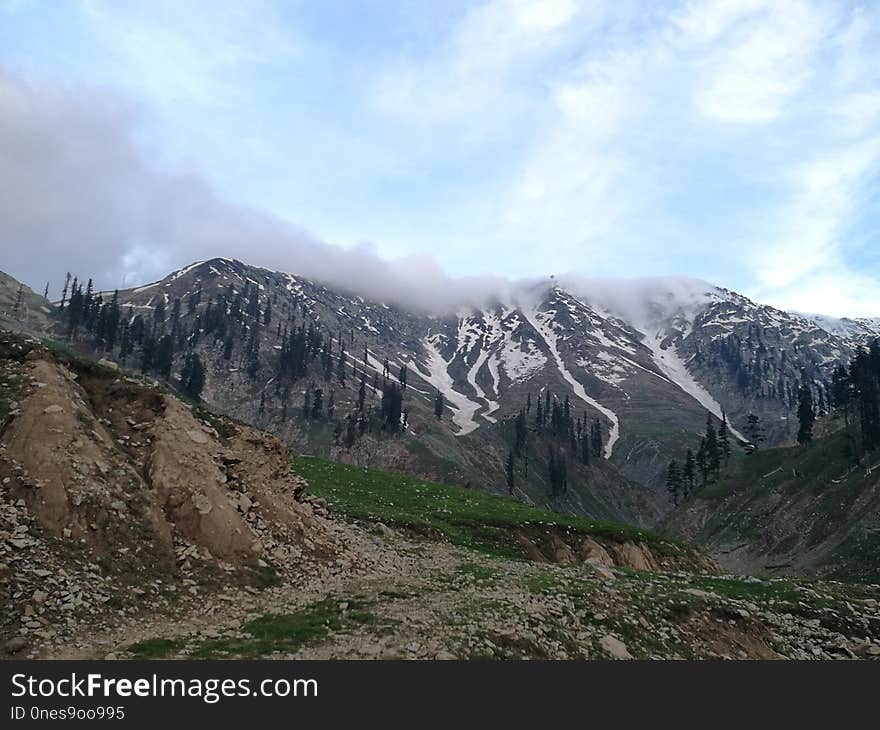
549 336
675 369
463 408
491 405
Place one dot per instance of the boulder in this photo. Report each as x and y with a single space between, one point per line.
615 647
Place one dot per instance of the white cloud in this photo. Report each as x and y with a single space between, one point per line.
835 290
477 77
808 234
180 49
788 120
706 21
756 68
77 194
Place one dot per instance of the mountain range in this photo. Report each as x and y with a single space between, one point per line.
642 362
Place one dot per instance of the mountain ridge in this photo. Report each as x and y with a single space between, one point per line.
643 381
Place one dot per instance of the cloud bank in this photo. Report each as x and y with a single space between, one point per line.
78 194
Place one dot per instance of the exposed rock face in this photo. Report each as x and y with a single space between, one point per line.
560 546
633 555
100 452
589 550
70 461
190 487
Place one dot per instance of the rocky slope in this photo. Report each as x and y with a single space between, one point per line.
437 601
23 310
118 495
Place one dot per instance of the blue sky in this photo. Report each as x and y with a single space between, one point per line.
733 140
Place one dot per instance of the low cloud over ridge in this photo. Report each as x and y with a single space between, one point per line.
77 193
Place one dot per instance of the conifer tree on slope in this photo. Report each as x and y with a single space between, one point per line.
806 414
689 474
192 380
724 439
438 405
673 482
712 450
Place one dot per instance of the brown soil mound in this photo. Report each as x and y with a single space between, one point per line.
103 457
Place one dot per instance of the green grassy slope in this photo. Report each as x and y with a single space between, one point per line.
467 517
793 509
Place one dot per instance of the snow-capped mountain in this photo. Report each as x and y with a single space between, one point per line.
859 330
642 361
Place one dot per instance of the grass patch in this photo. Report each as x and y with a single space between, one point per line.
542 581
288 632
262 576
478 572
754 591
155 648
396 595
466 517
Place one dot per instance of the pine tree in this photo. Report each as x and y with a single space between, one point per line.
711 449
520 433
673 482
350 432
362 393
754 430
724 439
111 324
585 450
158 311
148 350
402 377
340 368
689 475
841 391
64 292
317 404
864 385
510 475
192 381
164 356
557 471
702 466
806 414
392 406
596 438
16 308
438 405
